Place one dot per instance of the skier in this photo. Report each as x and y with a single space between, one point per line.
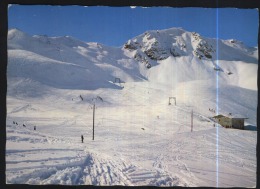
34 128
82 138
81 97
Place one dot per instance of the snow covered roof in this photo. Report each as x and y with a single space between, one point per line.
218 116
231 116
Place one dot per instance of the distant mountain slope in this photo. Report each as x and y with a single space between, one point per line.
176 42
64 62
166 56
180 56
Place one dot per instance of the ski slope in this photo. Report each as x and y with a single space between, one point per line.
140 140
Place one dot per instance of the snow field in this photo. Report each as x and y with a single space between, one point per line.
152 138
139 138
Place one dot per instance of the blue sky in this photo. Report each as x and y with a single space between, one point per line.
113 26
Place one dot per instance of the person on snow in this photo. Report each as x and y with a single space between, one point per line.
81 97
82 138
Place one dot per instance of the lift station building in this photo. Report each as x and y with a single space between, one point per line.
230 122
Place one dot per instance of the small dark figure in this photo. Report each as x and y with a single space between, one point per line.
34 128
81 97
142 128
16 123
24 125
214 124
82 138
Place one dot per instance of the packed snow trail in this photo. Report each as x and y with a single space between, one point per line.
59 161
175 159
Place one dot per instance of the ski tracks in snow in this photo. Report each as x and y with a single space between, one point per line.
139 176
35 158
90 169
173 166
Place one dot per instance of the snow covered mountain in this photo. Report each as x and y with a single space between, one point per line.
173 58
52 82
67 62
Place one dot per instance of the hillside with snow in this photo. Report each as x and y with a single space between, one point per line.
54 82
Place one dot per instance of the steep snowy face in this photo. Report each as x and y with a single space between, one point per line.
158 45
176 42
177 55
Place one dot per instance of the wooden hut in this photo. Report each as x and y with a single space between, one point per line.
231 121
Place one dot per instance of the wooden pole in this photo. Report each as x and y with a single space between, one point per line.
191 120
93 121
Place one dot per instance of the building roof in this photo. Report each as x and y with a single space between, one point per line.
235 116
218 116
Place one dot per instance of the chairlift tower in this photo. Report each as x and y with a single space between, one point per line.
94 107
117 79
191 120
